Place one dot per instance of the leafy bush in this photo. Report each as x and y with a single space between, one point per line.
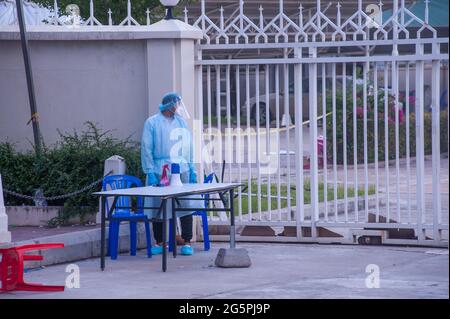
118 8
380 109
74 162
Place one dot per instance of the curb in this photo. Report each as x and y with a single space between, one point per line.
78 245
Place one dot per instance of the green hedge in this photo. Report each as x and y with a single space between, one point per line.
72 163
381 129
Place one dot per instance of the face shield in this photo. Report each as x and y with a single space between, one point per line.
181 110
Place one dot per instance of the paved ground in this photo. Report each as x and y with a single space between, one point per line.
278 271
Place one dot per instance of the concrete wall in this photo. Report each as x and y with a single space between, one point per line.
39 216
75 81
114 76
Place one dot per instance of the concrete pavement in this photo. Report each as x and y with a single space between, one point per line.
277 271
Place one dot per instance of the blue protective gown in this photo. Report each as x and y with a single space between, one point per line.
165 141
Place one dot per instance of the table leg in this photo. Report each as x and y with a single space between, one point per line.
164 256
232 227
174 229
103 231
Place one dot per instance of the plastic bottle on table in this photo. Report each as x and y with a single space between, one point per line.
175 179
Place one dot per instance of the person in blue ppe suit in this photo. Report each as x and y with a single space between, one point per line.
166 139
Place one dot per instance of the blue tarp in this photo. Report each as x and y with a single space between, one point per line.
438 13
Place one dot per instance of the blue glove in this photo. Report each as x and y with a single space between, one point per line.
192 177
151 179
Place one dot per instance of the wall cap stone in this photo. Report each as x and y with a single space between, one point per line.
164 29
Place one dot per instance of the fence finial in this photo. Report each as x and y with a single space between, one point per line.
380 4
427 11
147 12
110 17
92 20
55 8
402 11
261 17
338 13
129 20
129 10
221 17
186 20
91 9
300 15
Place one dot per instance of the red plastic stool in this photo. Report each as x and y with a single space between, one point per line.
12 267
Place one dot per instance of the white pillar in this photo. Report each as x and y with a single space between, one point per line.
117 165
5 235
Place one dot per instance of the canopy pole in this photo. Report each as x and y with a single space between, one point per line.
31 96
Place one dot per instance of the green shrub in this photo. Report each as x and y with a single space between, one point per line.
381 128
74 162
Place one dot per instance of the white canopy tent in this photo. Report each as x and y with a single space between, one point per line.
34 14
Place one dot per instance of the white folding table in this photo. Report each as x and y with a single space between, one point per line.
175 194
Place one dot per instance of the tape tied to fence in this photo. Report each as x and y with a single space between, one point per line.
34 118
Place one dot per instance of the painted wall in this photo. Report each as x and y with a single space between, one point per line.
75 81
114 76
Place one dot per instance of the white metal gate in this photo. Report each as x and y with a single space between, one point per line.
351 110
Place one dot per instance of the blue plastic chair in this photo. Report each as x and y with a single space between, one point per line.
201 213
123 213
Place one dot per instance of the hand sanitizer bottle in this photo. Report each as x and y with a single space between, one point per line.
175 179
165 178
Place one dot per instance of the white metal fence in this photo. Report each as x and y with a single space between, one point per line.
370 157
